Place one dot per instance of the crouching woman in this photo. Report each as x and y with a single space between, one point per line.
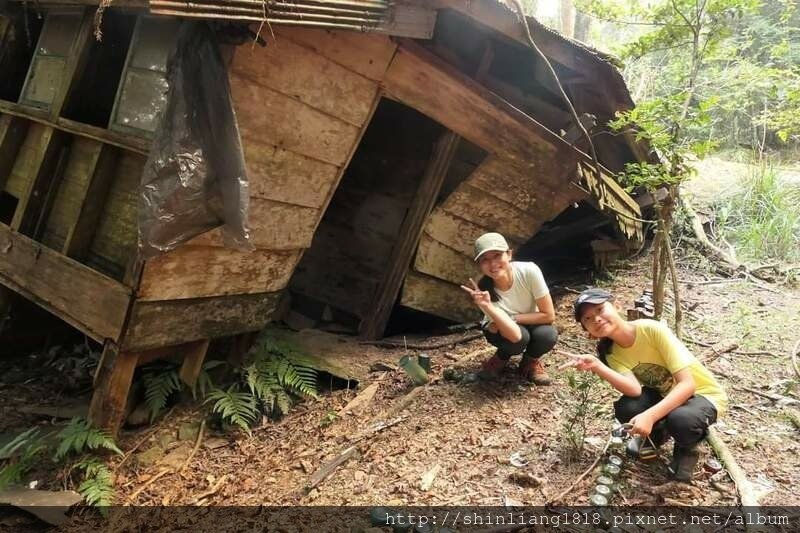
518 311
666 390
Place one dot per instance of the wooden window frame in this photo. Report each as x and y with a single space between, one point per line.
63 82
113 123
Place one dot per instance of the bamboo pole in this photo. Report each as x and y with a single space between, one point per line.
271 13
252 18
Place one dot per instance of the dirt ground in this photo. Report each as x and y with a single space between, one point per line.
452 444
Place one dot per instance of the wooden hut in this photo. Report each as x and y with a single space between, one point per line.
374 157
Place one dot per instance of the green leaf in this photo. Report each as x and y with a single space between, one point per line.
79 436
160 382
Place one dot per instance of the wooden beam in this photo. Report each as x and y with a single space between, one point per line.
12 134
383 300
92 201
194 355
128 142
423 81
112 384
79 295
43 170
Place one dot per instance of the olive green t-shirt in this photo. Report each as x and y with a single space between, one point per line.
656 355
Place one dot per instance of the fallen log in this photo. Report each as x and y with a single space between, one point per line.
746 494
700 233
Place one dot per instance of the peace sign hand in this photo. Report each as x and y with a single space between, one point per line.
583 362
480 298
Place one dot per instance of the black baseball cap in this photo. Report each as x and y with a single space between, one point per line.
590 296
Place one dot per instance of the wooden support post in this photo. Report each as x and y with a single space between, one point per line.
112 384
195 354
101 174
12 134
385 295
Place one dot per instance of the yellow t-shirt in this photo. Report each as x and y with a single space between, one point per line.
656 355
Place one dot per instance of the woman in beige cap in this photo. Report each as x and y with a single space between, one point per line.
518 311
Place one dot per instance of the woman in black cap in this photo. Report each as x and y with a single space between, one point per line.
518 311
666 390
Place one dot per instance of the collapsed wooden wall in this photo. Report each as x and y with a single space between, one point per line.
496 197
302 103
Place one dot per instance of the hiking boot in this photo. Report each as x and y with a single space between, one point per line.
492 367
533 370
644 448
684 459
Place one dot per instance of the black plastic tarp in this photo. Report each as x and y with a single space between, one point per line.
195 177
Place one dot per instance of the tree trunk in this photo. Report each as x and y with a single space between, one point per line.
582 24
567 18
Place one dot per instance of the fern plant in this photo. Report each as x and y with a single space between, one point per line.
162 380
80 436
235 407
97 487
276 373
22 452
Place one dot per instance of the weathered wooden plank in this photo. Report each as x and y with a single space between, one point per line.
441 261
21 175
384 297
164 323
366 54
90 199
12 134
489 211
284 176
302 73
421 80
67 202
115 236
273 226
279 226
457 233
437 297
525 189
270 117
90 301
42 173
197 271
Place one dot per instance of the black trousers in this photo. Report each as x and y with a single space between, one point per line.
536 340
688 424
